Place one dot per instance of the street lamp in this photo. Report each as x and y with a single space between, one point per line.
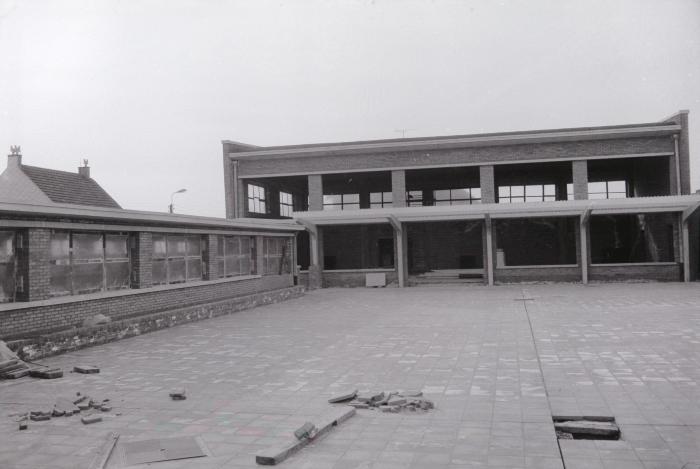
171 207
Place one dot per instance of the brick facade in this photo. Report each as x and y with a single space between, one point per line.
39 269
142 260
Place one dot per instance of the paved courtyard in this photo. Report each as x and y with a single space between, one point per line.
497 362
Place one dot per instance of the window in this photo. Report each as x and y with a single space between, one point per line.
256 199
341 201
465 196
84 262
8 261
176 258
526 193
277 256
380 199
414 198
235 256
286 204
607 190
570 191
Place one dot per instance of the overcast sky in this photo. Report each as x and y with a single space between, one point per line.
146 90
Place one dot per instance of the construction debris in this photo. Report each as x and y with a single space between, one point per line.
392 401
276 454
46 373
88 419
86 369
308 430
102 456
343 397
586 428
178 395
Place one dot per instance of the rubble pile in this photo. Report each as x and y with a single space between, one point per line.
395 401
65 407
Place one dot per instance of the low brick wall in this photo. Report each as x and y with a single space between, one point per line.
621 273
19 320
353 279
537 274
76 338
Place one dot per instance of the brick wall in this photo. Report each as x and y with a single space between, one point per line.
352 279
537 274
660 273
142 260
401 159
18 320
38 270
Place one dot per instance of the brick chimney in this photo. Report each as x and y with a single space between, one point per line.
15 156
84 170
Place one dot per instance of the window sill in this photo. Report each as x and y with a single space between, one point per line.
551 266
342 271
118 293
635 264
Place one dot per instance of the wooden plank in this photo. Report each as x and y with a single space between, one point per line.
102 456
276 454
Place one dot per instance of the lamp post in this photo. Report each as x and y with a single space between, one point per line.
171 207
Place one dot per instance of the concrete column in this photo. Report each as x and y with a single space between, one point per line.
401 240
315 258
38 268
685 245
489 264
210 257
579 171
142 260
583 236
487 184
241 198
398 188
315 182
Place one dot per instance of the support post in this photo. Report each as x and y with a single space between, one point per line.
488 184
583 227
400 236
315 182
489 249
398 188
685 246
315 267
579 171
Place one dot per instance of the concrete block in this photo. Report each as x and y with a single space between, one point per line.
308 430
178 395
86 369
88 419
46 373
589 427
396 401
343 397
16 374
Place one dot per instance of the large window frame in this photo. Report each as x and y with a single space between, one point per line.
177 258
521 193
84 262
277 256
414 198
381 199
350 201
286 204
257 199
609 189
457 196
236 256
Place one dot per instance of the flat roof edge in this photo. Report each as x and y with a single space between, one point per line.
141 217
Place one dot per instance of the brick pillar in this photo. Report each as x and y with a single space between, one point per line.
316 259
142 260
315 191
398 188
39 268
579 171
487 184
210 255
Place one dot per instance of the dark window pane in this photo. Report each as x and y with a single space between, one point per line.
159 272
176 246
117 275
87 277
194 269
116 246
176 270
87 246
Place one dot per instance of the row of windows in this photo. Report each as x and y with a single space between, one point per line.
85 262
460 196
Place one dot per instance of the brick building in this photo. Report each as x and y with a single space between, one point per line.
68 251
579 204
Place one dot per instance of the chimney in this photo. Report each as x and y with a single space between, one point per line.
15 156
84 170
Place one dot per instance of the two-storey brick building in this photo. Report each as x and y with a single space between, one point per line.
578 204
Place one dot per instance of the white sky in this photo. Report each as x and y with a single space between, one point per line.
146 90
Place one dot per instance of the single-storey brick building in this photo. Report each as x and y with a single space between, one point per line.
577 204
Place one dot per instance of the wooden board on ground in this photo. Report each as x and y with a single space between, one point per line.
276 454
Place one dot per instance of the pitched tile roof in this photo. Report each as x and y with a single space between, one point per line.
63 187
